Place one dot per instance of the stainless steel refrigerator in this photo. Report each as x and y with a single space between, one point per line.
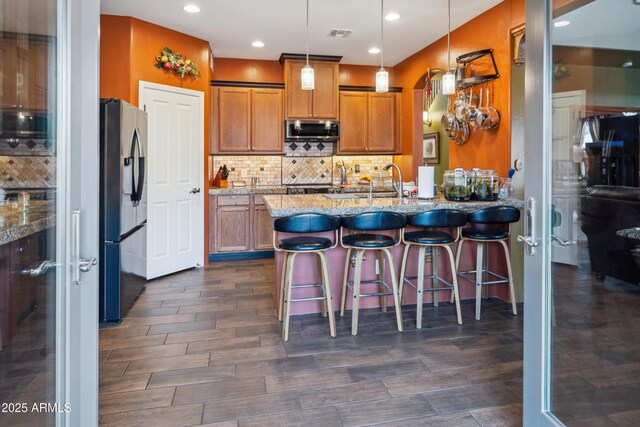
123 207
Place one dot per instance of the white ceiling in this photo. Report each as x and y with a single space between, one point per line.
603 24
231 25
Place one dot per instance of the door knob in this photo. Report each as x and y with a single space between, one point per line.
560 240
194 190
529 239
41 269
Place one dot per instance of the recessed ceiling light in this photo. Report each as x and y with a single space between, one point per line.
560 24
627 64
392 16
374 50
257 43
191 8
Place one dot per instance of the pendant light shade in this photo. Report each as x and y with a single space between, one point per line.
382 81
449 84
449 80
307 74
382 76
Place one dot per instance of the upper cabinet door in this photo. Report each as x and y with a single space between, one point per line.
325 94
233 118
299 102
353 122
7 74
383 126
267 120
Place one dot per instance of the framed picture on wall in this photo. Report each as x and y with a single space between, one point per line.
430 148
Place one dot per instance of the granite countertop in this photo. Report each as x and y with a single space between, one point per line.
16 223
283 205
260 189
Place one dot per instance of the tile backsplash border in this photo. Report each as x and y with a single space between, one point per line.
268 169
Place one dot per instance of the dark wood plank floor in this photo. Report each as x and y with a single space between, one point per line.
204 347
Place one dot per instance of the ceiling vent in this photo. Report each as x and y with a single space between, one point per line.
340 34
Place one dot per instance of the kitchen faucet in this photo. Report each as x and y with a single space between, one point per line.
396 186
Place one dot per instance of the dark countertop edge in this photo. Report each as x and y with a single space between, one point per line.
20 231
409 209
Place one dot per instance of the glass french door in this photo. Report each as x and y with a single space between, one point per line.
48 212
582 219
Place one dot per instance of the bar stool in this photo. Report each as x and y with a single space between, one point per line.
432 240
292 246
360 242
488 228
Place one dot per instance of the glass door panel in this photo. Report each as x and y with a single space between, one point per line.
594 234
30 282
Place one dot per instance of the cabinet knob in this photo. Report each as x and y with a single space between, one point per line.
246 209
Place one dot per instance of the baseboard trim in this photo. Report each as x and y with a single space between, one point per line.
241 255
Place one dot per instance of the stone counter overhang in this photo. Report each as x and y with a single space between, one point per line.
16 223
284 205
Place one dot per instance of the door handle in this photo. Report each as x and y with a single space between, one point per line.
41 269
194 190
529 228
78 265
560 241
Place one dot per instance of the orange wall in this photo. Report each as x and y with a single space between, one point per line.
263 71
247 70
485 149
128 48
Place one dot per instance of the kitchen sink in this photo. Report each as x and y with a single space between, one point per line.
355 196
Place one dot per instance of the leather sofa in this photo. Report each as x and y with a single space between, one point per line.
606 210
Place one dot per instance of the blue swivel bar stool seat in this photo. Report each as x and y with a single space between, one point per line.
489 225
432 240
360 240
292 246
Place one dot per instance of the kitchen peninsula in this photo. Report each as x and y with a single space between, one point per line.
346 204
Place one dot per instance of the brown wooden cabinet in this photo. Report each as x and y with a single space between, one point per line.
246 120
262 225
319 103
239 224
24 73
369 122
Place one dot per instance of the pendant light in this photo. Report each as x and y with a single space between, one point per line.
307 73
449 80
382 76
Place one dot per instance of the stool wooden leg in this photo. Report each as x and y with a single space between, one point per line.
457 266
420 286
479 264
323 304
454 282
434 273
512 294
381 275
287 300
347 266
396 293
403 270
356 291
326 281
282 281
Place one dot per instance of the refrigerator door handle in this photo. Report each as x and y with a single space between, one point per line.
137 187
77 264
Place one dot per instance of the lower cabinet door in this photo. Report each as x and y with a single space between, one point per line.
232 229
262 229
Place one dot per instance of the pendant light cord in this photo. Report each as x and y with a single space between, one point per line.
448 37
381 32
306 41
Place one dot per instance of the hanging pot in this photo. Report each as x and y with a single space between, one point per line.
448 120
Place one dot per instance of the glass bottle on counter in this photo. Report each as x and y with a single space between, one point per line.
506 189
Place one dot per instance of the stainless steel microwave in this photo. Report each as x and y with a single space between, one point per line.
310 130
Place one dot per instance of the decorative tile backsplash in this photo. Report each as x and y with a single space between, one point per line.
369 165
27 172
308 149
292 170
266 168
306 170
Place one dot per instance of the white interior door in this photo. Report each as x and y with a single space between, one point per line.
175 203
567 110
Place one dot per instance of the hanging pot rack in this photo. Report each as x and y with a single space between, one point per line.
466 59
